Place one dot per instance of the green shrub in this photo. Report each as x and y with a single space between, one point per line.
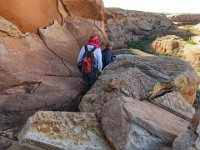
143 44
191 42
191 29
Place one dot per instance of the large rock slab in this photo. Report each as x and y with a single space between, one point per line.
176 102
62 130
30 15
189 140
93 9
140 124
33 78
185 141
82 28
143 78
61 41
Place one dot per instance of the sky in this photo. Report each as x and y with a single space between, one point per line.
168 6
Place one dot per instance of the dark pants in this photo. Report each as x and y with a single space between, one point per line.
89 79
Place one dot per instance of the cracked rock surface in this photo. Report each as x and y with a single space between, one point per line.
143 99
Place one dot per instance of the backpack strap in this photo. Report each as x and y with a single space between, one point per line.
93 49
86 48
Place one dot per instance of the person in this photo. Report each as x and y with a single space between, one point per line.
90 61
107 55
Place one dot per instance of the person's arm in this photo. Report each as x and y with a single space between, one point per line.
80 56
99 59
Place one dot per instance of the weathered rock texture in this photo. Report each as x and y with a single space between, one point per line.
143 78
184 19
140 124
84 21
61 41
176 46
189 140
125 25
28 16
82 28
117 98
168 44
91 9
32 78
38 72
61 130
175 101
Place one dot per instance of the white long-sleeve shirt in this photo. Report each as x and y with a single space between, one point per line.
97 56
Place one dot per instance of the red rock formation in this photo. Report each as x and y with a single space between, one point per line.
61 41
92 9
28 15
38 72
32 77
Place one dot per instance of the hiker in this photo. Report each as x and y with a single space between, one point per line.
90 61
107 55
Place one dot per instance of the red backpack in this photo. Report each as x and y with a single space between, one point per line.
88 61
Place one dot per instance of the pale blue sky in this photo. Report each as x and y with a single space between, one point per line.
172 6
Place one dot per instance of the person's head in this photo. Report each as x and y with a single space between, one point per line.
93 40
110 45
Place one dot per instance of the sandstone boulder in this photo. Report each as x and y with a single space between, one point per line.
168 44
184 19
189 140
61 41
126 25
140 124
143 78
81 21
176 102
61 130
82 28
118 97
28 16
192 54
33 78
91 9
176 46
185 141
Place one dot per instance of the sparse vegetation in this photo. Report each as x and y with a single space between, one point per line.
143 44
198 70
191 29
191 42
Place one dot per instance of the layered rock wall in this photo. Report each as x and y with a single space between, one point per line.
126 25
184 19
38 71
